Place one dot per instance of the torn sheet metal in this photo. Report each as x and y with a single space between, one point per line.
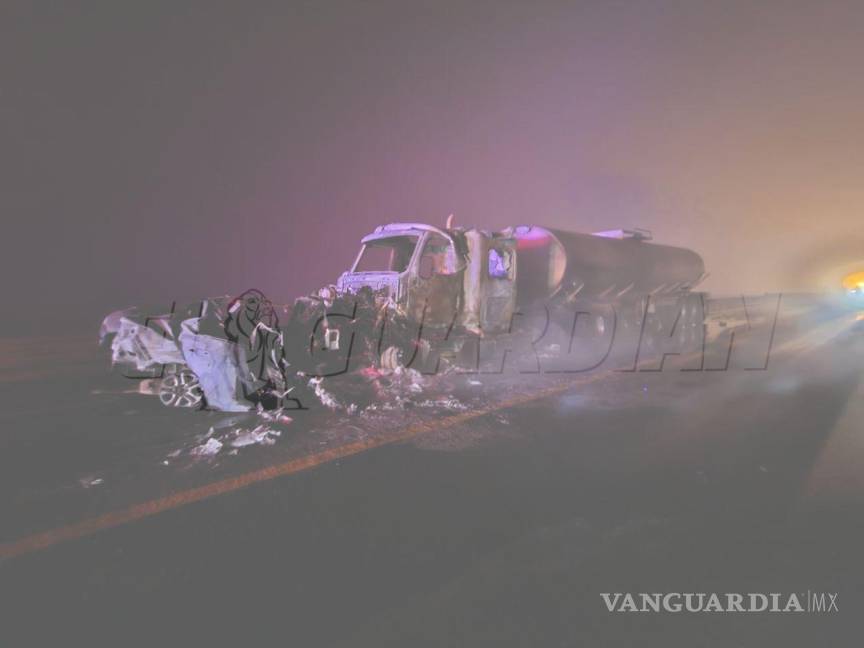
216 363
143 347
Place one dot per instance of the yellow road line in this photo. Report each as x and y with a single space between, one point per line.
87 527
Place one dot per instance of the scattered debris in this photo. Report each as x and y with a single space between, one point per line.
89 481
261 435
208 449
327 399
444 403
232 433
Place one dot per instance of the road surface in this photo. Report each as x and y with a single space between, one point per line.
488 512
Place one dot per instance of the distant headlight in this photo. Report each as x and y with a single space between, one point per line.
854 283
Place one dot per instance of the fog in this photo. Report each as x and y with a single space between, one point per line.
152 152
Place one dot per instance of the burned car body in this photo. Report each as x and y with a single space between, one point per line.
223 352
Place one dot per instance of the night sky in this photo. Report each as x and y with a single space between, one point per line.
160 151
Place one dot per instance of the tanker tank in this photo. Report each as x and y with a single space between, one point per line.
607 265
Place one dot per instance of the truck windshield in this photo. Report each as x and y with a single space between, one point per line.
390 254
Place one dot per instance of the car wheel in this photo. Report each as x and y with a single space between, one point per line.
181 389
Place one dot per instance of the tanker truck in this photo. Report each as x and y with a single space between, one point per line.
426 298
416 291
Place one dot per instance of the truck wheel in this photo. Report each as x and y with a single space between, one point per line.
181 389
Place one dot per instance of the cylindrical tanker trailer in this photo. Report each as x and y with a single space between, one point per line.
603 266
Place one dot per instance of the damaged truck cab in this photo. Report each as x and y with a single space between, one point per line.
438 277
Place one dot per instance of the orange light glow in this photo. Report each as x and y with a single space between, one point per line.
854 280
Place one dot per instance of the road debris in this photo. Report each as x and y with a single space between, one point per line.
260 435
208 449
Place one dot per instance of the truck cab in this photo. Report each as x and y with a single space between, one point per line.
438 277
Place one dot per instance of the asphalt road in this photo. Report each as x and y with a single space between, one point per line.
499 521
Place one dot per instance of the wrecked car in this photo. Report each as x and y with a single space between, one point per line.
223 353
